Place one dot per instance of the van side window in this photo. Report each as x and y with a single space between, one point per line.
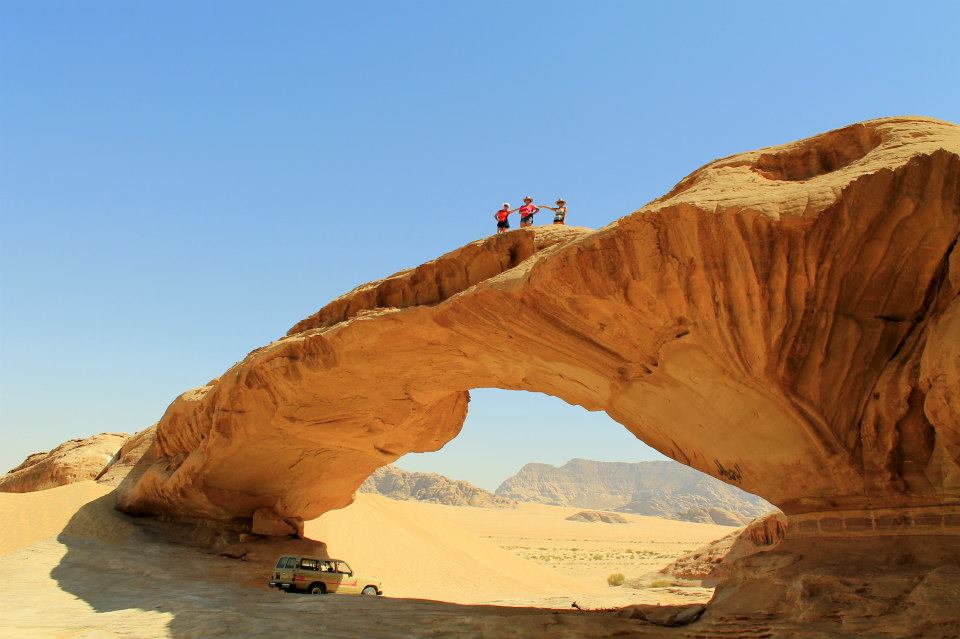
291 562
309 564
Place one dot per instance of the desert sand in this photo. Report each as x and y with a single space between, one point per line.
587 552
482 555
72 566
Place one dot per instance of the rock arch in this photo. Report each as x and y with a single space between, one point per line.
786 320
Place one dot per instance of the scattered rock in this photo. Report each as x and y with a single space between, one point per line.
689 615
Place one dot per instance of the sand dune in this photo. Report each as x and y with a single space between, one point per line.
419 552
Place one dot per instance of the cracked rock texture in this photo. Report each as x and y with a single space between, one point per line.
785 320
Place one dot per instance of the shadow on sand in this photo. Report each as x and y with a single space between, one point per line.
119 564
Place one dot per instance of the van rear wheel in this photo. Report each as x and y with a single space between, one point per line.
369 590
317 589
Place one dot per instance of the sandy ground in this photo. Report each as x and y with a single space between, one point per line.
587 551
529 555
71 566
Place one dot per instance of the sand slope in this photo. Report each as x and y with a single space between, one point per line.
418 552
32 517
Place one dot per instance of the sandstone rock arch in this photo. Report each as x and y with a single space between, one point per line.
786 320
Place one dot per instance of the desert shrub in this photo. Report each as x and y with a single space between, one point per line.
616 579
659 583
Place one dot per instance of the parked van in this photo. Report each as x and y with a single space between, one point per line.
320 576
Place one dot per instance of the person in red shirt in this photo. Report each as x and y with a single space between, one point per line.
527 211
501 216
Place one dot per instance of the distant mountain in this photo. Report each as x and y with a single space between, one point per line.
659 488
396 483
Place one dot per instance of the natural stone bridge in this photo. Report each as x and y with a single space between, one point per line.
786 320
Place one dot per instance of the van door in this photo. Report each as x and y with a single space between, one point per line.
283 572
330 576
308 573
349 582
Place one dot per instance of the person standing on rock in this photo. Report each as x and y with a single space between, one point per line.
501 216
559 212
527 211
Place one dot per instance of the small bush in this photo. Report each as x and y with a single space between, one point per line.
616 579
659 583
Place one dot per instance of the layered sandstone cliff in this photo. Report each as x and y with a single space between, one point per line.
785 320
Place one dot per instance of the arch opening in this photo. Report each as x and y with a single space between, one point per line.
557 501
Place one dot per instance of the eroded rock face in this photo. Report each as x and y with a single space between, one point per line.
656 488
72 461
785 320
712 562
400 484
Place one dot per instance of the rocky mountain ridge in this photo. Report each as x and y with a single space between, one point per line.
397 483
657 488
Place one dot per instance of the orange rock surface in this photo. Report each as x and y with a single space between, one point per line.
72 461
786 320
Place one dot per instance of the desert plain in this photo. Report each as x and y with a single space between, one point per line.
73 566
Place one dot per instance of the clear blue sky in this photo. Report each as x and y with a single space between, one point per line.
180 182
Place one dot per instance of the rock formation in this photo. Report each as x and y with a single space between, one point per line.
397 483
656 488
786 320
72 461
711 563
598 516
717 516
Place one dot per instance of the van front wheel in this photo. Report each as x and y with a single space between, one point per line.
317 589
369 590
